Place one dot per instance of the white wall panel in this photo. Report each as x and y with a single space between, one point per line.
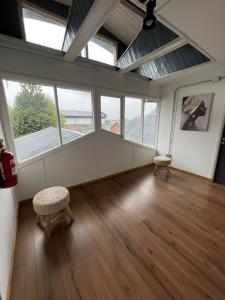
8 217
142 156
30 64
93 157
31 180
193 151
114 156
73 165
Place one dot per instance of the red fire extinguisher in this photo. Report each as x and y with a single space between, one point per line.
8 173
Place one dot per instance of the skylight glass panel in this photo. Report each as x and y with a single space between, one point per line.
42 30
101 51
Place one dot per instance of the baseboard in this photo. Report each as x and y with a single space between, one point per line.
28 201
192 174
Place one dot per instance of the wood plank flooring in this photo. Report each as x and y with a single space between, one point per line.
134 237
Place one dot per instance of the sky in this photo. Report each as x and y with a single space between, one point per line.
43 33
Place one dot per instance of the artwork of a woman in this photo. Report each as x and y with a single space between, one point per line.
193 107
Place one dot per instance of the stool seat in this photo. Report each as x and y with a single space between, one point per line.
50 203
162 160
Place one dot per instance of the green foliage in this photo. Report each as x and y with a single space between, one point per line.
32 111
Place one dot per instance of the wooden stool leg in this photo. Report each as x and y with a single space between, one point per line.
168 171
49 226
69 213
38 220
156 170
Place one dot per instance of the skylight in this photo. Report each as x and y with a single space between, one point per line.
42 30
100 50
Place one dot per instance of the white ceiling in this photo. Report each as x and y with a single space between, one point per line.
202 21
124 23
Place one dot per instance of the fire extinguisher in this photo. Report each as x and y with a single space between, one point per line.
8 173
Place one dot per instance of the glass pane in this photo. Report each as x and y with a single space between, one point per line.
133 123
33 117
43 31
101 51
150 115
110 114
75 108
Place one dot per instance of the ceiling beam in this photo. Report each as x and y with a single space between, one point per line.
155 54
80 30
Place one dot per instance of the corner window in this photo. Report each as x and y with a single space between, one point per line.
110 114
33 116
101 50
140 121
133 120
75 108
42 30
150 121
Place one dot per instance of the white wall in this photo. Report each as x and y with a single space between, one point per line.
79 73
8 218
92 157
194 152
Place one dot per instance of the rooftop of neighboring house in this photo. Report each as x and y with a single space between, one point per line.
41 141
79 114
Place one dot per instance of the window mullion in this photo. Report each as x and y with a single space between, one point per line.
142 120
87 51
122 114
96 106
58 114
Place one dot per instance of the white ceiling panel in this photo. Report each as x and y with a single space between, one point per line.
124 23
203 21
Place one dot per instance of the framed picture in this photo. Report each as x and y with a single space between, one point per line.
195 112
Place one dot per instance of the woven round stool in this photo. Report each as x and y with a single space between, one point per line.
51 203
162 162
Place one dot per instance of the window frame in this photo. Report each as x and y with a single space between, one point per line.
45 14
92 107
7 126
122 96
106 40
100 114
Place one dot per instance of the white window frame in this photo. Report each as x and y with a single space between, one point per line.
7 127
111 96
106 40
44 13
150 99
116 94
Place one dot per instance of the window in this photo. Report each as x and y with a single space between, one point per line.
150 119
140 121
42 30
133 120
100 50
76 112
110 114
33 118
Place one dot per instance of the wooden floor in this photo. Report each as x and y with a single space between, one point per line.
134 237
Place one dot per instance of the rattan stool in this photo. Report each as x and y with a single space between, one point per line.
162 162
51 203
